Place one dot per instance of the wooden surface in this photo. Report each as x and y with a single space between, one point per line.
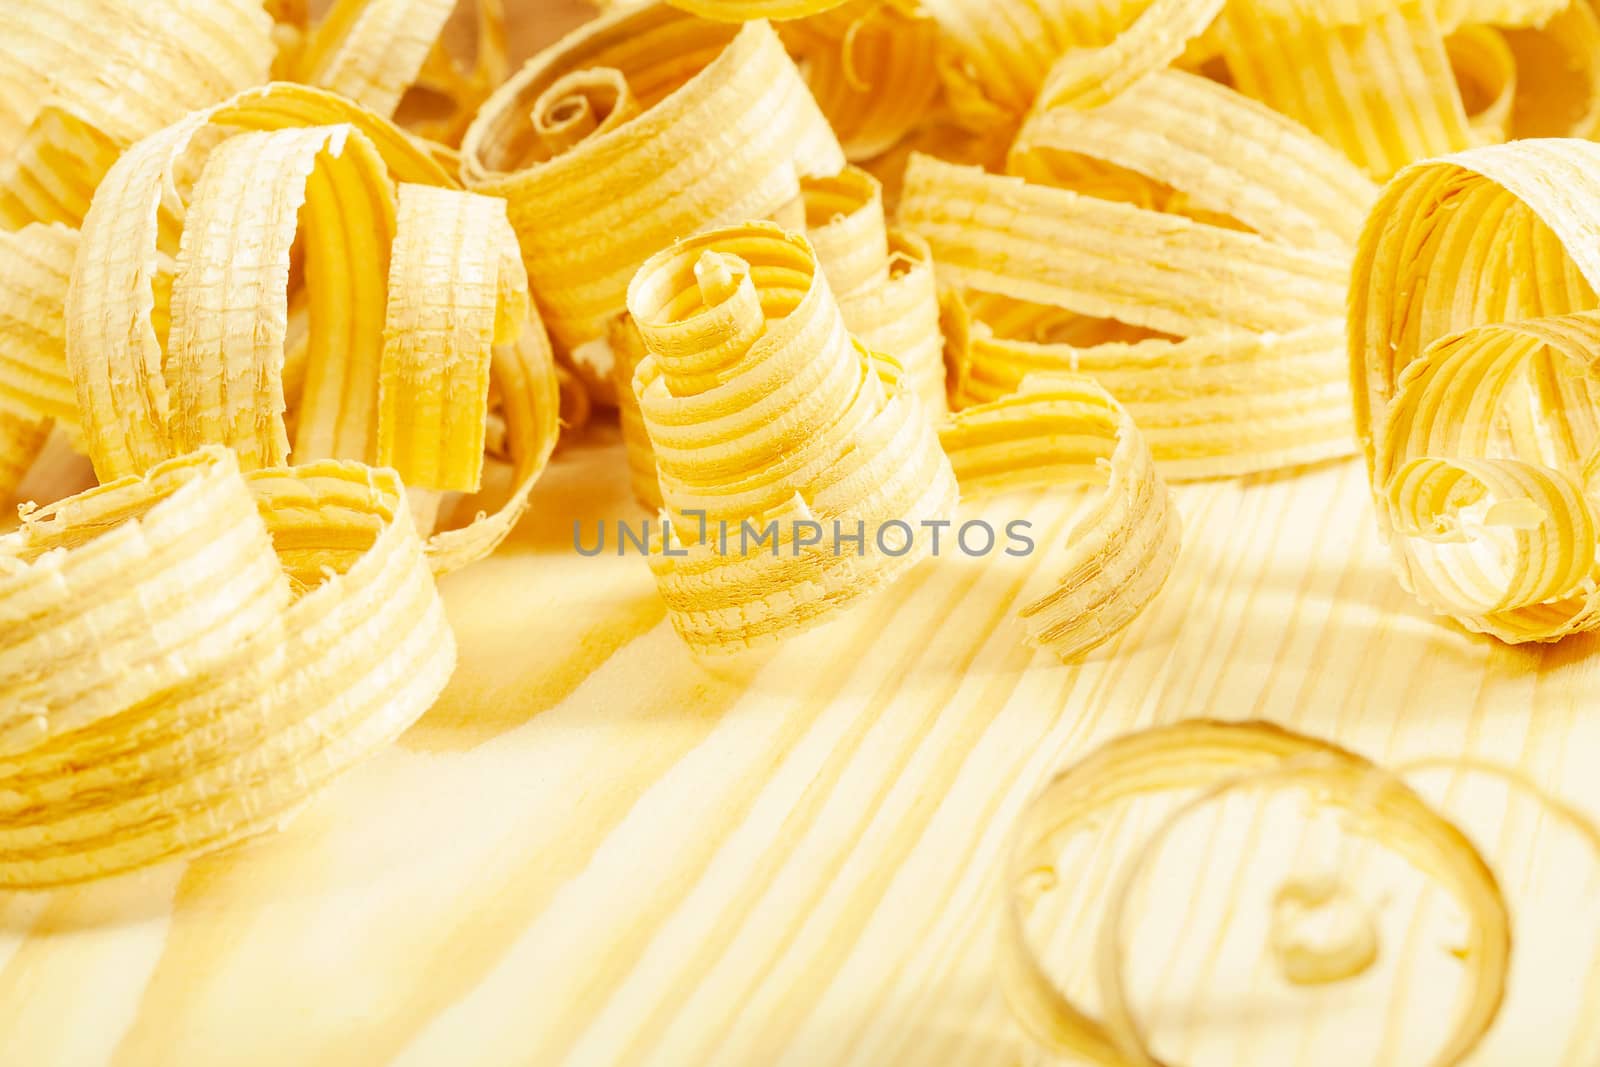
598 851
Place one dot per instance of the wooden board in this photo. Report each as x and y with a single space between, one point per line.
599 851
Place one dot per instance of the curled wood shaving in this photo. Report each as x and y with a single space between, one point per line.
81 80
762 409
216 375
234 642
1067 430
1473 325
1223 383
1218 760
35 389
873 66
1203 763
589 215
190 651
